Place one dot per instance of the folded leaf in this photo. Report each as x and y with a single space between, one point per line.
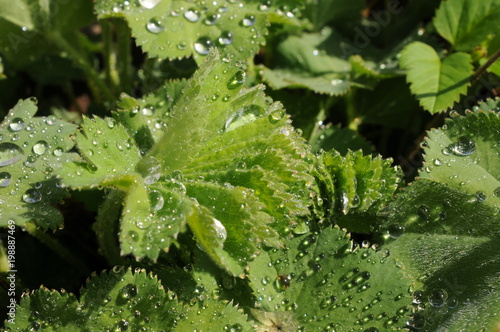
436 84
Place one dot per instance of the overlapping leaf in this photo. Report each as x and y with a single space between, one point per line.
229 165
26 27
174 29
319 283
2 75
31 151
353 183
120 300
436 84
454 210
467 23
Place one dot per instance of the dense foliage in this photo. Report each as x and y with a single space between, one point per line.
229 165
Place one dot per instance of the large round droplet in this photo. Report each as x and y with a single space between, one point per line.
192 15
237 80
32 196
149 3
156 199
248 21
10 153
150 169
40 148
242 116
496 192
437 298
5 178
154 25
202 45
277 115
16 124
226 38
463 147
395 230
212 19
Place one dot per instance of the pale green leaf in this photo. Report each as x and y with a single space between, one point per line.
318 282
32 149
436 84
337 11
174 29
109 156
467 23
490 105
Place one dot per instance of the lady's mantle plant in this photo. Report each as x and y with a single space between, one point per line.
214 211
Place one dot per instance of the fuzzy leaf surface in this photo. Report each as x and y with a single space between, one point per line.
317 282
454 209
32 149
467 23
436 84
175 29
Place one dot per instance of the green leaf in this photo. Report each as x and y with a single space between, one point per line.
27 26
437 84
465 156
467 23
337 11
353 182
2 75
447 225
31 151
175 29
319 283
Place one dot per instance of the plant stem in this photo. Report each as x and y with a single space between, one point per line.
480 71
91 73
107 50
124 64
57 247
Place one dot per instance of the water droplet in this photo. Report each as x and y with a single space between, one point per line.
336 82
463 147
242 116
58 152
149 3
154 26
416 321
480 196
40 148
110 122
5 178
395 231
496 192
248 21
202 45
128 292
10 153
32 196
423 211
156 199
212 19
182 45
277 115
438 162
220 230
150 169
192 15
237 80
122 325
16 124
437 298
226 38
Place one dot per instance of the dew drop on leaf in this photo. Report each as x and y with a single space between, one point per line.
40 148
237 80
480 196
157 200
242 116
395 231
248 21
32 196
202 45
58 152
181 45
17 124
277 115
5 178
437 298
496 192
423 212
463 147
149 3
212 19
220 230
154 26
226 38
416 321
128 292
192 15
10 153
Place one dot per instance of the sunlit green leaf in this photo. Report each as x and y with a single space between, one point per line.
436 84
